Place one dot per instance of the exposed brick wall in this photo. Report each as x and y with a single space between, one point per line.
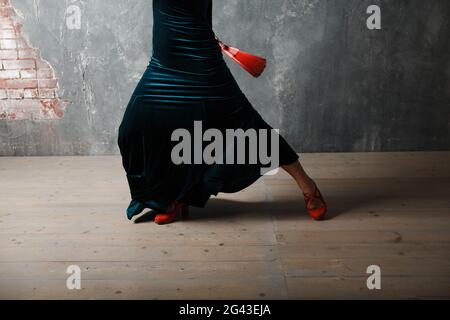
28 87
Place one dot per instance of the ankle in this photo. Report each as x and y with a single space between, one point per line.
308 185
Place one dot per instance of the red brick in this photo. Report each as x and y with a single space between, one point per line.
6 18
48 83
8 44
7 34
9 74
8 54
45 74
6 24
28 87
19 64
47 93
31 93
27 54
15 94
28 74
21 84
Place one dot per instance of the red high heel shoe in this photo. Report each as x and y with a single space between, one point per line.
178 212
317 213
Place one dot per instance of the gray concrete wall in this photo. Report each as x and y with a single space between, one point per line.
331 84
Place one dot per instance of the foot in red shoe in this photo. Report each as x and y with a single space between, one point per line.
317 212
176 212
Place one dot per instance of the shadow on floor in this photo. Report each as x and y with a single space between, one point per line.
364 198
283 208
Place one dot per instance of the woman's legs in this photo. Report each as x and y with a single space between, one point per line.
306 183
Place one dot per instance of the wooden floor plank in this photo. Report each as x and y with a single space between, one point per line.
386 209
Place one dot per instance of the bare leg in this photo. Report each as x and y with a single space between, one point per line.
305 182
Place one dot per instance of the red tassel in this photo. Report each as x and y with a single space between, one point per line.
255 65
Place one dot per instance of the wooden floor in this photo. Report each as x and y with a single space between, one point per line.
386 209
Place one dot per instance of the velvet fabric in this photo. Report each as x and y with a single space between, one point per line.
186 80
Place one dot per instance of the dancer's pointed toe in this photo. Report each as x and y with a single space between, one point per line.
317 213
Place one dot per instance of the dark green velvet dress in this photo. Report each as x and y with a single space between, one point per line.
186 80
